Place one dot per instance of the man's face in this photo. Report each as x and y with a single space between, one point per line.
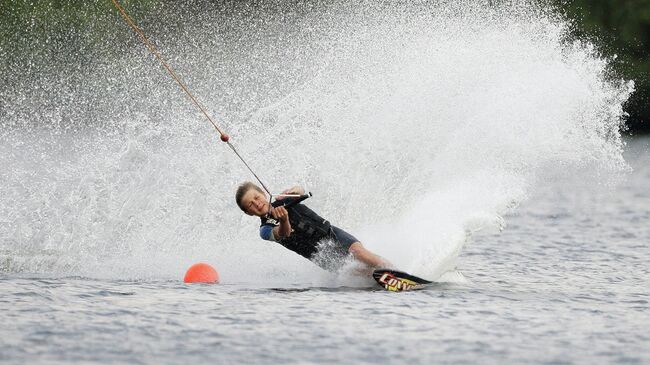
255 203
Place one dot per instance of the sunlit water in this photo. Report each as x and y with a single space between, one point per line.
474 145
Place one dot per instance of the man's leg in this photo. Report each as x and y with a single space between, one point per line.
362 254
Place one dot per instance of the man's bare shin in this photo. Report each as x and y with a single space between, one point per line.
361 254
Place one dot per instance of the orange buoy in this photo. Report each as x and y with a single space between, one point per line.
201 273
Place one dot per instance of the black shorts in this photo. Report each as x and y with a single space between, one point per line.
334 250
344 238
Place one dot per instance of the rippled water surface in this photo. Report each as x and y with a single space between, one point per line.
443 134
565 282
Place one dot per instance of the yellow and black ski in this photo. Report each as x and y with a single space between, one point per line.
393 280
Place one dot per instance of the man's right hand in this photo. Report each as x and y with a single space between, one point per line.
280 213
284 229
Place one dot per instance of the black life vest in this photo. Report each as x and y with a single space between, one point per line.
307 230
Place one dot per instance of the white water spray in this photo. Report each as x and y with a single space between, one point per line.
413 126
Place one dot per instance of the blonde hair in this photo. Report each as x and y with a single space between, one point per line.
242 190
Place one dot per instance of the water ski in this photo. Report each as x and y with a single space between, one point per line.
393 280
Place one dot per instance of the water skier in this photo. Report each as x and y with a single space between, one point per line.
301 230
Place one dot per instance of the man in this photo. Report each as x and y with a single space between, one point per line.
301 230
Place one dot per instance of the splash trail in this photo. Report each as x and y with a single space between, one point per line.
414 125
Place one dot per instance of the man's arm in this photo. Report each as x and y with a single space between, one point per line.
297 190
284 229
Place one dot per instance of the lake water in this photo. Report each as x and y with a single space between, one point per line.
565 282
471 144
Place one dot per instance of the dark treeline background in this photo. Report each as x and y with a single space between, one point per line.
621 28
617 27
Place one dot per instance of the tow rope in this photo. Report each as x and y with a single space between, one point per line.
224 137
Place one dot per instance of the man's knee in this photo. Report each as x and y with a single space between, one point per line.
356 248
